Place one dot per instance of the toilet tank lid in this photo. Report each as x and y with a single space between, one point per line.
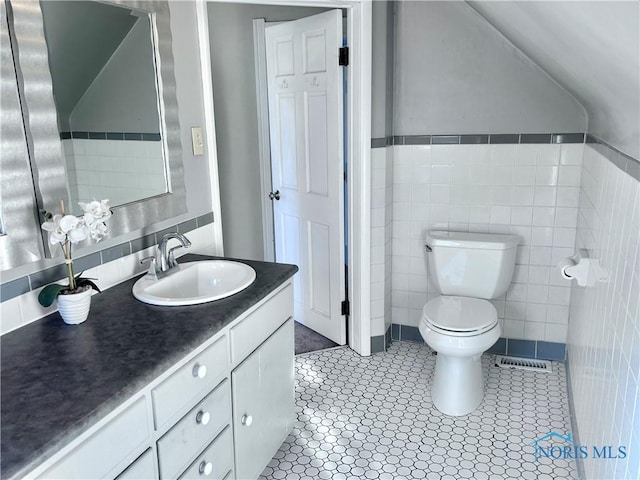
486 241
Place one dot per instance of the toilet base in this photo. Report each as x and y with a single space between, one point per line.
458 386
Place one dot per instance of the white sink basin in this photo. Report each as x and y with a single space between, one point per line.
195 282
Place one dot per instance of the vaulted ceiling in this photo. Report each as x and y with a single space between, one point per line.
592 49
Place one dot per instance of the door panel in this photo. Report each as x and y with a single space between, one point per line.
305 94
263 402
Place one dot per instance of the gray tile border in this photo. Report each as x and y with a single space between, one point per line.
378 344
187 226
480 139
205 219
395 331
114 253
633 169
503 346
22 285
85 263
132 136
148 137
387 337
418 140
567 138
503 138
378 142
445 139
535 138
551 351
49 275
474 139
14 288
624 162
143 242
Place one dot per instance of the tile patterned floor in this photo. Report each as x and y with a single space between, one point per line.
372 418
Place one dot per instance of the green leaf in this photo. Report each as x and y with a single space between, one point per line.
84 282
49 293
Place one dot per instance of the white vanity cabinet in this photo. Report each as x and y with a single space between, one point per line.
221 413
263 403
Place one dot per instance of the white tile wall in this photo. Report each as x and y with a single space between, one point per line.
604 325
112 169
19 311
381 223
528 190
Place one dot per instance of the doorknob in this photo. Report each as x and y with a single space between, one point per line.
274 195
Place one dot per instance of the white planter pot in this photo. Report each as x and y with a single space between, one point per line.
74 308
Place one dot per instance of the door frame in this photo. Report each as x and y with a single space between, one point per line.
358 127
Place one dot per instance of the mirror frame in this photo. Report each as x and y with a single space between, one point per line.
40 118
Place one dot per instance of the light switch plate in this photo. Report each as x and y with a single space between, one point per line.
197 141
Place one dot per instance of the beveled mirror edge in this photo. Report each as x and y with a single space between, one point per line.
42 130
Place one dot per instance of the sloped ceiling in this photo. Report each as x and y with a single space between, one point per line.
81 37
591 48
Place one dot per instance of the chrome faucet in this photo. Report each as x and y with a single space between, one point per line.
164 260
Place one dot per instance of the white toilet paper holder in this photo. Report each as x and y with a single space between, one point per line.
584 270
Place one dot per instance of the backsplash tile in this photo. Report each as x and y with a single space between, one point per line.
24 307
529 190
36 280
14 288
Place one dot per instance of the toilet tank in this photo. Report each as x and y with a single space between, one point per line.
478 265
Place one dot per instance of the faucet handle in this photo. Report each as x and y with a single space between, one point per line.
171 256
153 271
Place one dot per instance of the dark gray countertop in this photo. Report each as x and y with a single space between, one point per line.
57 380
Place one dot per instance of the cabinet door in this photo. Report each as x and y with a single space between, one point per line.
141 469
263 402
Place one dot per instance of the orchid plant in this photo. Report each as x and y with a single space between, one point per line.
67 230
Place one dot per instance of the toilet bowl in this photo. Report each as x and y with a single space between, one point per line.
468 269
460 329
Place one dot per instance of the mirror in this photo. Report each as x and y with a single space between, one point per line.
101 59
89 96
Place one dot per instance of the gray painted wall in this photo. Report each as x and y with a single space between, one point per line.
123 97
453 74
592 48
234 98
382 69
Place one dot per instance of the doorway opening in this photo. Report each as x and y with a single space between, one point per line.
357 144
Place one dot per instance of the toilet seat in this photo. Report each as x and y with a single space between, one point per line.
460 316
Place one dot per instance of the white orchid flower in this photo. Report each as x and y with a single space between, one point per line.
56 234
97 231
96 211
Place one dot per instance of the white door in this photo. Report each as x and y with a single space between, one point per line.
306 131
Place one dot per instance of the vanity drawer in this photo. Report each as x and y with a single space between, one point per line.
257 327
180 445
106 449
190 383
141 469
218 457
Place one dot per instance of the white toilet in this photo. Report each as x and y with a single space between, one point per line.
468 269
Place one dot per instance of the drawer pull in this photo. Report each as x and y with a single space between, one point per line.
199 371
205 468
203 417
246 420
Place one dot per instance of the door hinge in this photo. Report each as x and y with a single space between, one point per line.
343 56
344 307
